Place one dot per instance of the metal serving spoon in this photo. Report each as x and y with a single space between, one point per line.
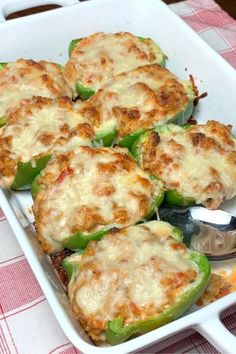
212 232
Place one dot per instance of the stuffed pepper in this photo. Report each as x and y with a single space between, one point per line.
22 80
137 100
84 193
96 59
134 280
195 163
33 133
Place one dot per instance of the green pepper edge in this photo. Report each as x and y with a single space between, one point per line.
163 60
134 149
80 240
173 197
129 139
141 38
107 138
180 119
2 65
73 44
61 66
3 121
25 173
116 334
71 267
83 91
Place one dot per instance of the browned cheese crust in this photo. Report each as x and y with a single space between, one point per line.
22 80
142 98
199 162
87 189
98 58
39 128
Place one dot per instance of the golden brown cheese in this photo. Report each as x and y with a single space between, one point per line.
142 98
22 80
87 189
101 56
41 127
199 162
134 273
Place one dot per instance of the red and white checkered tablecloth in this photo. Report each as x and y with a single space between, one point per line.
27 324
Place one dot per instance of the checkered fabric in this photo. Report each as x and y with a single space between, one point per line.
215 26
27 324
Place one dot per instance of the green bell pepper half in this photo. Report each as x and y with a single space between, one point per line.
26 172
117 333
105 138
2 65
83 92
171 197
3 121
86 92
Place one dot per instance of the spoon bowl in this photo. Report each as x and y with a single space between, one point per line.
212 232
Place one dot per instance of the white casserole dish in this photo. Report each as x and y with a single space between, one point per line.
46 36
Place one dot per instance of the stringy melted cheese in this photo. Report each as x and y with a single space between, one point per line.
101 56
199 162
88 189
41 127
22 80
142 98
134 273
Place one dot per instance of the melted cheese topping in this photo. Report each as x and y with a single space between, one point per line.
88 189
199 162
41 127
22 80
135 273
142 98
101 56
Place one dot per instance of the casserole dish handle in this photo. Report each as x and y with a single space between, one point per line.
217 334
9 6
